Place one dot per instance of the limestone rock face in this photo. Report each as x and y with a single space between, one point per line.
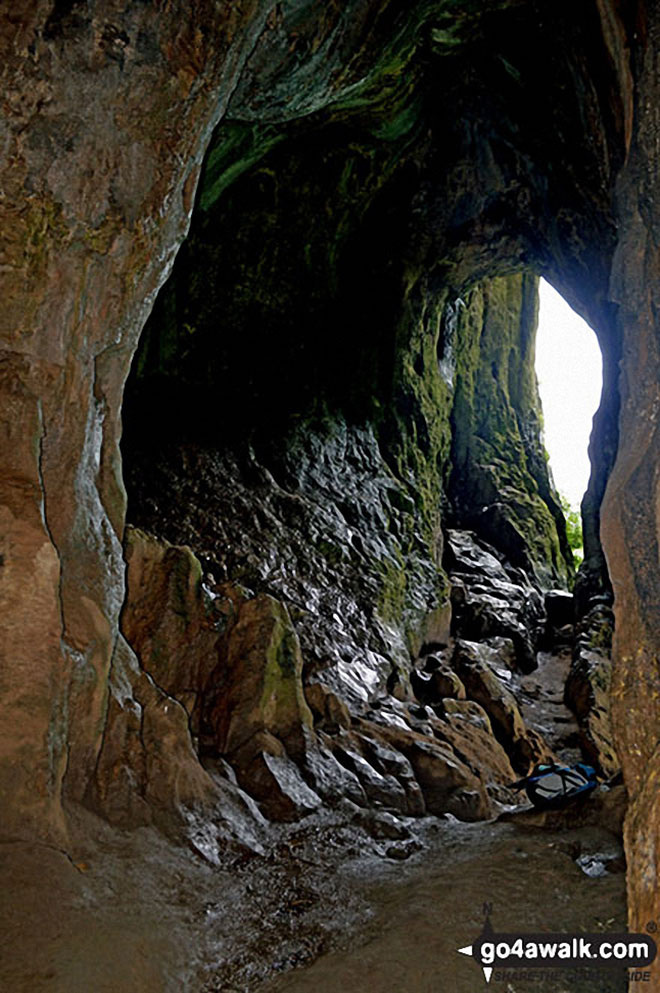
318 520
147 770
490 602
169 621
258 685
380 182
273 778
629 514
478 747
587 690
103 134
474 664
438 684
499 481
446 781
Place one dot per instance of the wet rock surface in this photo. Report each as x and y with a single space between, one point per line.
376 900
338 370
499 483
324 527
380 900
491 601
451 739
408 949
588 685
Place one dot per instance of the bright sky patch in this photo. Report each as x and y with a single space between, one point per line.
570 372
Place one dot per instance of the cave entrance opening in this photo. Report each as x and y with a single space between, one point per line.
569 369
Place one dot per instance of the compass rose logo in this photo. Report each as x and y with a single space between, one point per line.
486 935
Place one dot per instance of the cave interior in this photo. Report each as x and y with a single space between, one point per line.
301 553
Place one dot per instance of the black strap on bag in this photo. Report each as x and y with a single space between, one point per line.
552 785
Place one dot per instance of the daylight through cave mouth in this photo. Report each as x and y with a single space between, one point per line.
334 405
569 372
344 592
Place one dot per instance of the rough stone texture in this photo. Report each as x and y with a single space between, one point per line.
447 782
169 621
492 599
320 521
499 482
257 685
219 672
147 770
630 522
108 113
440 682
330 779
458 142
329 711
587 690
474 664
266 771
479 749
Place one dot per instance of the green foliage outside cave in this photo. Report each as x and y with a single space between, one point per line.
573 528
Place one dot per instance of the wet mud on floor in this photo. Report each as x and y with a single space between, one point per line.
330 904
422 915
325 909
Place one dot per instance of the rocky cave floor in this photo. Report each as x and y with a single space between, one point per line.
384 836
370 902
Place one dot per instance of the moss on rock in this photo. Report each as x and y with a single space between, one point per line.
499 482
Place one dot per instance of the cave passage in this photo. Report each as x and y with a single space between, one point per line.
297 591
570 376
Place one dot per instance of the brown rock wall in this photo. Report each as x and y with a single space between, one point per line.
631 520
107 113
107 110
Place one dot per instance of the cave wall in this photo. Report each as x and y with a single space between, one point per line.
499 483
528 140
301 376
107 115
274 347
630 521
109 110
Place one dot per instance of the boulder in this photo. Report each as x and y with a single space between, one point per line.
169 619
265 771
329 778
382 825
382 789
465 553
506 651
436 682
478 748
474 664
469 711
447 783
329 711
491 601
147 770
258 684
393 763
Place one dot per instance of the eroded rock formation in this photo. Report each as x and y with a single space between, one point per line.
338 370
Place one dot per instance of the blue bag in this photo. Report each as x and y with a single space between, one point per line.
551 785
